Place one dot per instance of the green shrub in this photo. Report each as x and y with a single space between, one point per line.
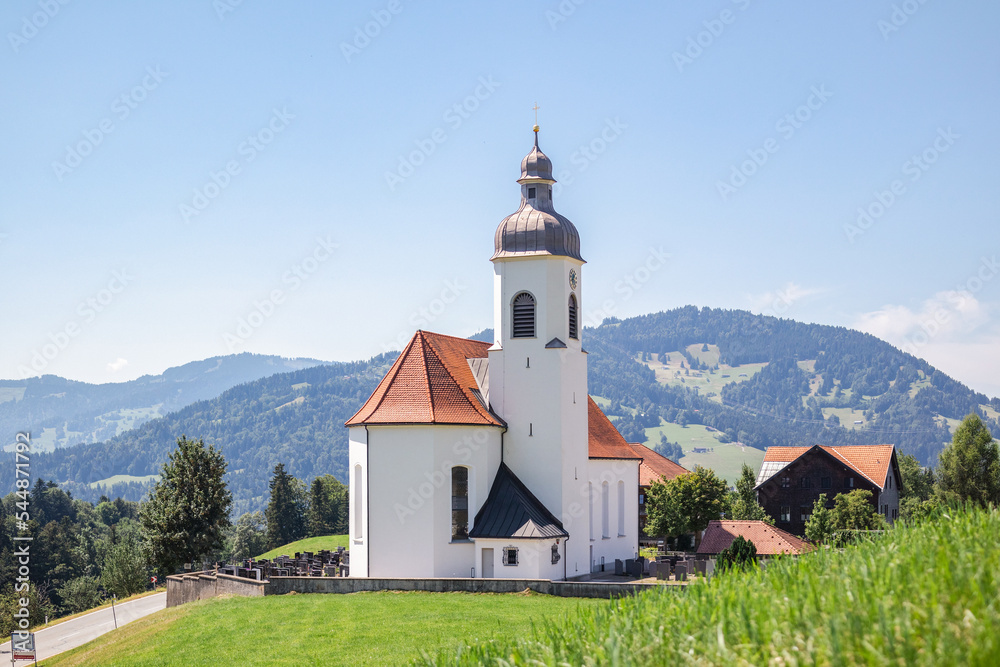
742 553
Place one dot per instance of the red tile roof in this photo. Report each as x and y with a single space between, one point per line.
871 461
604 439
770 541
430 383
654 466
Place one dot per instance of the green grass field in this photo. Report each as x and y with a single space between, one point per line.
313 544
924 595
847 416
707 382
725 459
360 629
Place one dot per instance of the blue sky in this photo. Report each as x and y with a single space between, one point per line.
195 178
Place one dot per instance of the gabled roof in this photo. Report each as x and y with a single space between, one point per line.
654 466
870 461
511 510
770 541
605 442
431 382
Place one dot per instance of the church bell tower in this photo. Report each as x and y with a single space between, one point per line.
538 368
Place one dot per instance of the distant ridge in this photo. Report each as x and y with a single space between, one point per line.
735 377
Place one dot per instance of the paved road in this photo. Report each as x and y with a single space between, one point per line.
78 631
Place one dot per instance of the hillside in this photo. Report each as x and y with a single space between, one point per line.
62 413
747 382
763 381
293 418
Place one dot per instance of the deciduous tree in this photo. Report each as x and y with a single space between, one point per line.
855 511
250 539
969 467
819 527
685 504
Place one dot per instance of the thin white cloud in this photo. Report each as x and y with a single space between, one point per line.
117 365
779 301
952 330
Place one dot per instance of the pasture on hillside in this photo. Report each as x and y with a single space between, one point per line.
312 544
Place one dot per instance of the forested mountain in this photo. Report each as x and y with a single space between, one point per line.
798 379
62 413
292 418
809 373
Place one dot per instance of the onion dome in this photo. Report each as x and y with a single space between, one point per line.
535 228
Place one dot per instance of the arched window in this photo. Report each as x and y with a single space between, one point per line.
459 503
523 312
573 327
605 531
621 508
359 516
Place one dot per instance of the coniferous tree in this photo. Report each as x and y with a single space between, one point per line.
740 554
286 511
327 513
188 510
744 505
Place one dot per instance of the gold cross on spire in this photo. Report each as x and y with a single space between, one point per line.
536 108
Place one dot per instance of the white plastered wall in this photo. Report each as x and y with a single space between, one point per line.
409 514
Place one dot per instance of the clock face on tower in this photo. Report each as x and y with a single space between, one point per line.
574 280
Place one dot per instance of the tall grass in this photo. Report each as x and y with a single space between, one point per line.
918 595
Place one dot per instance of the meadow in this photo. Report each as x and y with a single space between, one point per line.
387 628
916 595
726 459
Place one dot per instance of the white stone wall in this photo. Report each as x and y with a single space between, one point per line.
409 518
621 538
534 559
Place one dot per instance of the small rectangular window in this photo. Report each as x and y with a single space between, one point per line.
510 555
786 513
785 482
825 483
531 193
848 482
805 483
804 512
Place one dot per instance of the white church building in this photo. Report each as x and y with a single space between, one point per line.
478 460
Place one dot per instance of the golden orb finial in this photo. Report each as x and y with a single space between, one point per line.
535 129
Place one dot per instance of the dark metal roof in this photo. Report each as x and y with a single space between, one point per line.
511 510
535 228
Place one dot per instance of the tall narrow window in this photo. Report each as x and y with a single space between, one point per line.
621 508
605 519
573 332
359 515
459 503
523 311
590 499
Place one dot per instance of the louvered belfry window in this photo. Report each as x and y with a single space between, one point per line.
523 310
573 332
